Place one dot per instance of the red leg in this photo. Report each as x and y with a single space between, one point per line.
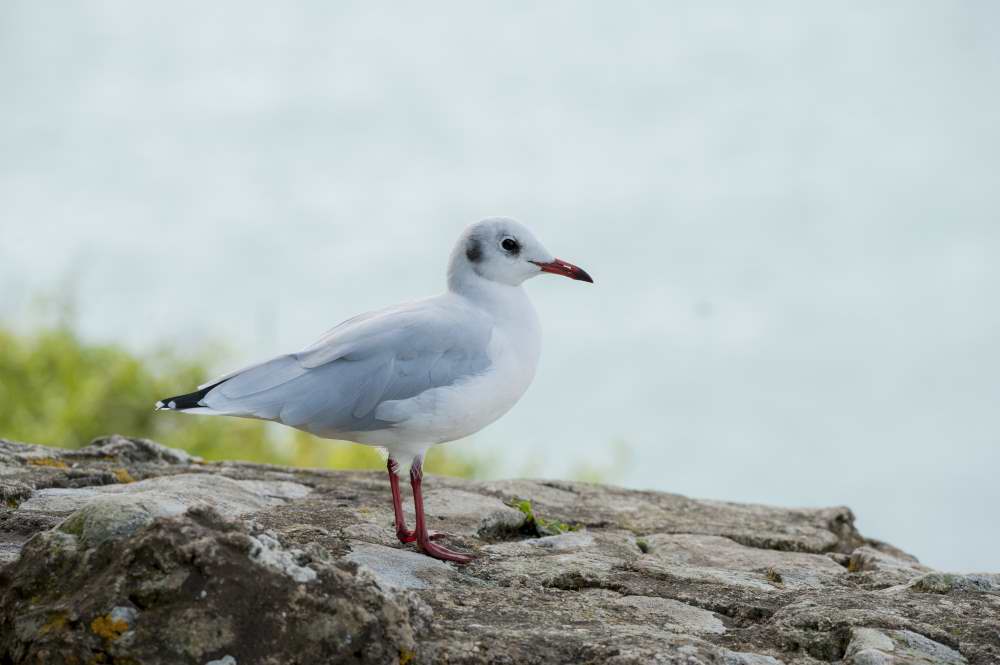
423 538
404 534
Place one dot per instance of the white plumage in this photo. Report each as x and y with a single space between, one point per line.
409 376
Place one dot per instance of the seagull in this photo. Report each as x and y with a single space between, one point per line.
413 375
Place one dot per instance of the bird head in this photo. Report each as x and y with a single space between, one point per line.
502 250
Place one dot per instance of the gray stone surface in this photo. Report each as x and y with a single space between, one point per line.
672 614
129 552
402 569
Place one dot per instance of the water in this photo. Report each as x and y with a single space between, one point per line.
790 212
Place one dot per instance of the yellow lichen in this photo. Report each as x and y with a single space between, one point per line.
123 476
55 624
405 656
108 628
47 461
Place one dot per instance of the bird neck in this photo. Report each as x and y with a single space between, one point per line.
494 297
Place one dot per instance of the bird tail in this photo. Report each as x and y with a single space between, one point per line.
189 402
250 392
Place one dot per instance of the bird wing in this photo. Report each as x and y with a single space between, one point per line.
336 384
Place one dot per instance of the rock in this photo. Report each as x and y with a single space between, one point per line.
126 552
673 615
947 582
114 511
186 589
912 647
225 660
123 449
402 569
267 551
734 658
893 566
869 647
715 558
173 494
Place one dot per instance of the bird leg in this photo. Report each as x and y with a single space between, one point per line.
404 534
423 537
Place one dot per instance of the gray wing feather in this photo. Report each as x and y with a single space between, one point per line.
337 384
374 388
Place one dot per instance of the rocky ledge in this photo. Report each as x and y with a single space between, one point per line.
128 552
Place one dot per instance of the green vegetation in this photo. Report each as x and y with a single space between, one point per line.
537 525
59 390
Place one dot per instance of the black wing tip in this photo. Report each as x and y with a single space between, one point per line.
186 401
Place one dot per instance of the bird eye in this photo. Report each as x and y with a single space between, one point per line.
510 245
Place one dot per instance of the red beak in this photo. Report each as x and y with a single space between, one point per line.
566 269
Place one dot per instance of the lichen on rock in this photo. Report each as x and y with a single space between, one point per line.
242 564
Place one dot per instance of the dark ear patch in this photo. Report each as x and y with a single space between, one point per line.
473 250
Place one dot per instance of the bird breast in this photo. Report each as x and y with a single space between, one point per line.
457 410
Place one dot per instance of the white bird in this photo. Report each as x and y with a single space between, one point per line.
413 375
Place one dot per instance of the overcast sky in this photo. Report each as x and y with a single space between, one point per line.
790 211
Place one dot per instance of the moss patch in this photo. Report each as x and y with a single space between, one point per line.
73 525
536 525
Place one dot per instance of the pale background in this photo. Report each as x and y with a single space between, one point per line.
790 210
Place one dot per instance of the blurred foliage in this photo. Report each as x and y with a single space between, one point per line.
58 390
613 470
